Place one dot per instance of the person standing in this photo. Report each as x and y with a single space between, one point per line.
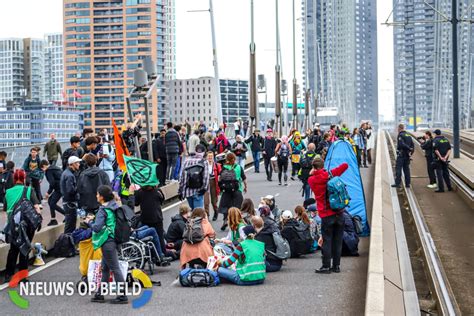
442 150
212 195
269 146
75 150
6 179
239 148
332 222
283 152
193 141
103 233
150 199
297 147
68 185
107 158
159 154
132 131
53 175
405 149
52 150
427 146
363 143
34 174
306 164
13 195
370 142
173 145
88 182
237 127
256 145
194 180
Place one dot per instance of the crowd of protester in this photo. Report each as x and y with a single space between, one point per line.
210 171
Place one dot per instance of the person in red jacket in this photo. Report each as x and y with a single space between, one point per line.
332 223
212 195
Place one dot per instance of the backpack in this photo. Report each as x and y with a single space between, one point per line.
359 227
28 212
283 250
303 244
198 278
284 153
336 192
117 182
124 220
195 175
228 180
306 165
64 246
193 232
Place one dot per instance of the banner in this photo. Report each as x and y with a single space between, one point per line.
142 172
120 148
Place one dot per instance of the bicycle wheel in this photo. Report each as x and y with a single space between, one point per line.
133 253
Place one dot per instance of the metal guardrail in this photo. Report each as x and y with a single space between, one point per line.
18 154
442 289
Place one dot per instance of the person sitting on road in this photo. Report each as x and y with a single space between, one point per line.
297 233
265 235
174 235
350 239
236 226
249 257
103 234
198 253
247 210
332 226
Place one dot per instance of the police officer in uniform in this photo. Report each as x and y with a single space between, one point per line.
405 148
427 146
442 150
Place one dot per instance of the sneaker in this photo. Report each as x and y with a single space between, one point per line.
450 189
214 218
292 178
336 269
224 226
323 270
53 222
396 186
122 299
432 186
286 184
98 298
279 183
407 186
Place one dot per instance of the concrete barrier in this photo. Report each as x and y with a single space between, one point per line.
390 284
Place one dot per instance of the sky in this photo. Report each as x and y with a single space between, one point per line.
232 22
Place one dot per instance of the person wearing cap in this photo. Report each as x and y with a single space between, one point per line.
442 150
269 146
405 148
239 148
194 180
68 185
332 222
298 234
265 235
249 257
256 146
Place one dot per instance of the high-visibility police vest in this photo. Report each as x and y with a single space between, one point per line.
123 187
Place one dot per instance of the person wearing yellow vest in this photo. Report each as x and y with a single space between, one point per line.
103 233
249 256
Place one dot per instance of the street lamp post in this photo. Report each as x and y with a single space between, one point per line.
295 99
262 88
252 82
277 75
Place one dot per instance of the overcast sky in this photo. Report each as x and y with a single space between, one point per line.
33 18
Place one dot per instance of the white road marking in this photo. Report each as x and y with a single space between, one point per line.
39 269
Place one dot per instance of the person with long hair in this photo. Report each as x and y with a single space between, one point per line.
283 151
297 147
198 253
249 257
236 225
301 215
247 210
265 235
232 198
12 197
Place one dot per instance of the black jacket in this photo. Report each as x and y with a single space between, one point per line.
53 175
172 142
150 205
89 180
269 146
239 152
266 236
298 245
427 146
176 229
405 146
256 143
68 186
159 149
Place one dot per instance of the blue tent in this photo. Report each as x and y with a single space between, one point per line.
339 152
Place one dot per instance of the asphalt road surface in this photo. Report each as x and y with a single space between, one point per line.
296 289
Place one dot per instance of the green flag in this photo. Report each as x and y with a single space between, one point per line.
142 172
